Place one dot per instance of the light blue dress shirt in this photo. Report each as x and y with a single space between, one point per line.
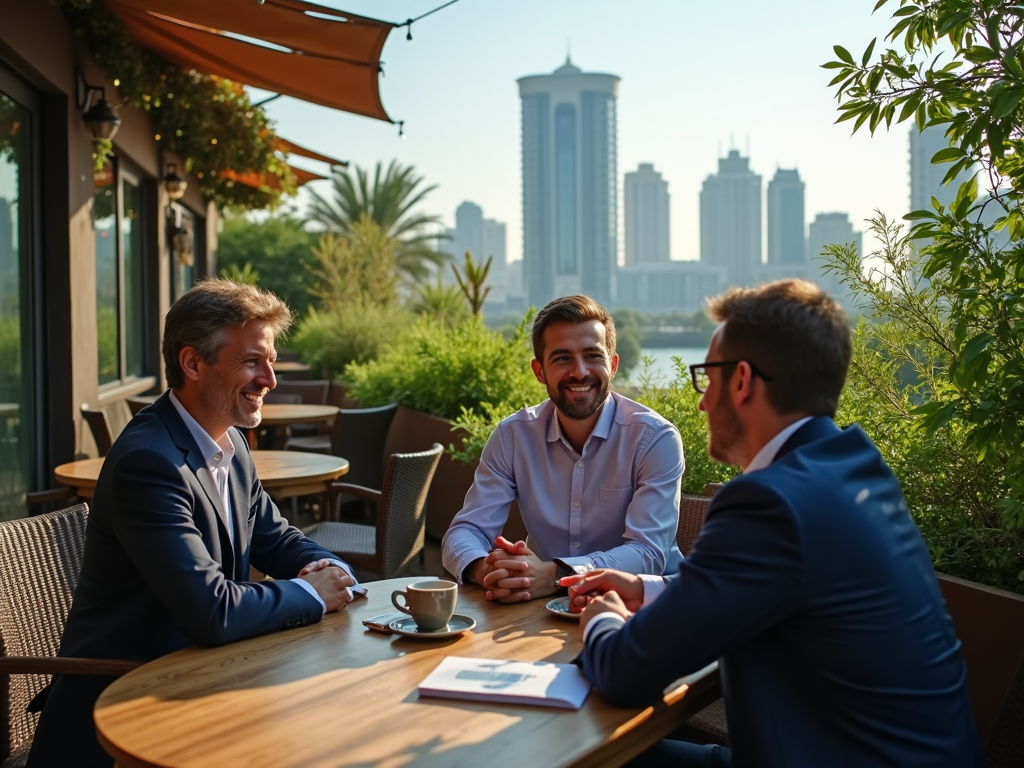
615 505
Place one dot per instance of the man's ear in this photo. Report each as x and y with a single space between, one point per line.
189 361
742 385
538 371
614 366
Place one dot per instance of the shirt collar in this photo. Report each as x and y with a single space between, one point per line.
602 428
766 455
215 453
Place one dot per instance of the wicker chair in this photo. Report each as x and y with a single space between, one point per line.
401 517
40 558
708 726
97 421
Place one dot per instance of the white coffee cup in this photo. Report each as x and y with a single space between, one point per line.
430 603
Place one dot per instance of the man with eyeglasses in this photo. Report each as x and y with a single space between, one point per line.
809 581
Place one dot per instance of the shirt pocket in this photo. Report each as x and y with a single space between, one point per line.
614 502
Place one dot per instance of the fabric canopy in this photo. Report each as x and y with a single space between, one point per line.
283 145
330 57
269 180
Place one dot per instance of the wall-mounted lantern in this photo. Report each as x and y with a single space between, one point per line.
174 184
101 118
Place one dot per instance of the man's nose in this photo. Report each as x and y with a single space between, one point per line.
267 377
700 403
579 368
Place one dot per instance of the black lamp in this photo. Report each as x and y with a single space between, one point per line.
173 183
101 118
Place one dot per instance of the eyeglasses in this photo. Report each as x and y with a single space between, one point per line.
699 376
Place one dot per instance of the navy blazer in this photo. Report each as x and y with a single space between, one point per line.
813 588
159 571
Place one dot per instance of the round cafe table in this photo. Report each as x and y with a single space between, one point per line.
283 473
336 694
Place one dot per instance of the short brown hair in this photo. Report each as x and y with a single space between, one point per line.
796 334
571 309
198 320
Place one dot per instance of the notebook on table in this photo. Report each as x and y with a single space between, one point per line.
539 683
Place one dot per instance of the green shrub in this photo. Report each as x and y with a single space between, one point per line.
676 400
329 339
467 373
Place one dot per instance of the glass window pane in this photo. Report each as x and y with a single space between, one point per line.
131 243
15 374
104 208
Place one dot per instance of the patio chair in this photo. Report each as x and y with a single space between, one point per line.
397 539
40 558
40 502
136 404
708 726
358 435
100 427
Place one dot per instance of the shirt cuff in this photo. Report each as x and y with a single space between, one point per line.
309 588
601 617
575 562
653 586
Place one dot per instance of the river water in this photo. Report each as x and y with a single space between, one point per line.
662 366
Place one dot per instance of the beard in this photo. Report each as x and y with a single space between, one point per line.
724 430
226 403
578 410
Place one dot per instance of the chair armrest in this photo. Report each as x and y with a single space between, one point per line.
65 665
356 490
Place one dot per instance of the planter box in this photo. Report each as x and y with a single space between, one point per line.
416 431
990 625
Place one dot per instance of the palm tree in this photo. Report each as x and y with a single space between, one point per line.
389 201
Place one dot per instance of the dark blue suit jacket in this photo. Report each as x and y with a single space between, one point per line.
159 571
813 588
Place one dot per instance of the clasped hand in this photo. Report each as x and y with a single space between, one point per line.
330 582
604 591
511 573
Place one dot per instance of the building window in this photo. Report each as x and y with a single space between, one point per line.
17 222
565 189
120 316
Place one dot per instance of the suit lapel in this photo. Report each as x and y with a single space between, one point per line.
197 463
240 490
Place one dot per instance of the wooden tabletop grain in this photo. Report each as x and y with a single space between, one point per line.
285 473
298 413
337 694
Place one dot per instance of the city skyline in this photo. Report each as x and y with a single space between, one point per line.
682 96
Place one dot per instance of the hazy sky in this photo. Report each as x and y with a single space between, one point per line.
697 78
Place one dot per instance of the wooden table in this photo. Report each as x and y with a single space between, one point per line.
291 369
284 473
280 414
336 694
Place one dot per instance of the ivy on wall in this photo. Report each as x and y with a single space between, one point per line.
206 120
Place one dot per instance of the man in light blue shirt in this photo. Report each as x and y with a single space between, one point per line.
596 475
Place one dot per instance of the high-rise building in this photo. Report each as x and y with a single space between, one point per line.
831 229
570 205
926 178
786 241
482 238
730 219
645 200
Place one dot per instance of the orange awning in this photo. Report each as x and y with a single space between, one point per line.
269 180
332 58
283 145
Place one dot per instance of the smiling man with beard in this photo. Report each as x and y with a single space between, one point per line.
179 515
596 475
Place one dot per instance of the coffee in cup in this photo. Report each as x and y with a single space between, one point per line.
430 603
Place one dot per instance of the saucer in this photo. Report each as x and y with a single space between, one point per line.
456 626
560 607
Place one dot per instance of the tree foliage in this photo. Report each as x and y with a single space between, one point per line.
389 200
274 249
443 303
960 64
357 266
472 282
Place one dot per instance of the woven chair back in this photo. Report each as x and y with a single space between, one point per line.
359 436
40 559
692 510
310 392
401 514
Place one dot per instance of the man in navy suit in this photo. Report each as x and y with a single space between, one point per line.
809 582
179 515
